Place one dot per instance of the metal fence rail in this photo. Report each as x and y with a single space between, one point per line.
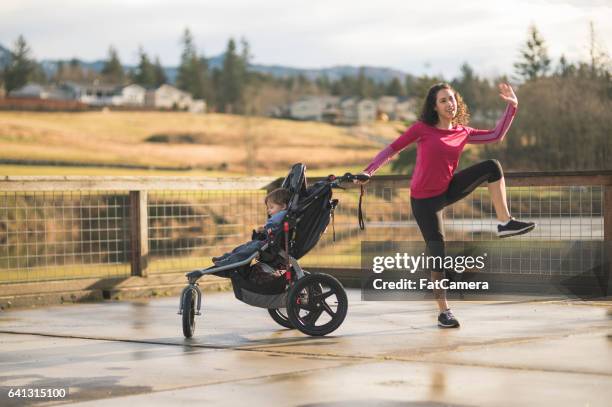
58 228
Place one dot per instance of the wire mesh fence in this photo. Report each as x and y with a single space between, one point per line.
562 213
187 228
63 234
70 229
67 230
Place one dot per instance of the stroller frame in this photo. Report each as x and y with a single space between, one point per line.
302 295
193 278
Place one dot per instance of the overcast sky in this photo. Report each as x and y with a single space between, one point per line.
425 36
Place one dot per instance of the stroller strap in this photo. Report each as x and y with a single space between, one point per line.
333 225
360 211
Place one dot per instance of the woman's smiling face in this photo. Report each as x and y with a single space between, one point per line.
446 104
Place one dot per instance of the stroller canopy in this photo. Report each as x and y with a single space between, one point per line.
309 210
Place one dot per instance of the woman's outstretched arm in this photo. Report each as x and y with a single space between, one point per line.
477 136
383 157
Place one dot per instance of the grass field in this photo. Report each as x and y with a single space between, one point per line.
209 144
32 170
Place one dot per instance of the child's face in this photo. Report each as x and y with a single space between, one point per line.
274 208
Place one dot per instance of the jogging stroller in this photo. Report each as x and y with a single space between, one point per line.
315 304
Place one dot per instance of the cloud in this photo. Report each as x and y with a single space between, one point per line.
401 35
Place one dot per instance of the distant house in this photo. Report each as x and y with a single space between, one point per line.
307 108
334 109
331 109
357 111
91 94
405 109
386 105
366 111
348 110
97 94
169 97
130 95
198 106
38 91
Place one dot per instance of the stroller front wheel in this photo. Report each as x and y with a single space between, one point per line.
317 304
189 312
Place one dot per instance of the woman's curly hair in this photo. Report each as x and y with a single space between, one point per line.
429 114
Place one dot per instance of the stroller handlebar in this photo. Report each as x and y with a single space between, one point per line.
348 177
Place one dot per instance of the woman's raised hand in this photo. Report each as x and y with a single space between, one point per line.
507 93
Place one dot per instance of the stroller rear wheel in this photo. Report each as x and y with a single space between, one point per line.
317 304
279 315
189 312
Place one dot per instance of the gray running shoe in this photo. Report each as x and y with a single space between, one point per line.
514 227
446 319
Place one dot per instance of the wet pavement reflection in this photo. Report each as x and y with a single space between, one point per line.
386 353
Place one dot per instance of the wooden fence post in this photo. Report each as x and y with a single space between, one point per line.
607 213
607 224
139 233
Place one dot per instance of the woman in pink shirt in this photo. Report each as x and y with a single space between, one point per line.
441 133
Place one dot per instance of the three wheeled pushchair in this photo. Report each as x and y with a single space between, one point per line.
316 304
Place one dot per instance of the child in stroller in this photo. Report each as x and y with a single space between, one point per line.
276 205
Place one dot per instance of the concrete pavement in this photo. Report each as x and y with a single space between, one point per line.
544 353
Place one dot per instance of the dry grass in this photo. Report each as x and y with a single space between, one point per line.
221 141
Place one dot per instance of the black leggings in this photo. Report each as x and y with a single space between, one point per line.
428 212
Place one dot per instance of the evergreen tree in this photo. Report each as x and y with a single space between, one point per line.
409 85
534 62
113 70
324 84
466 84
200 80
245 59
193 74
565 68
418 87
73 71
60 68
145 72
160 74
216 80
21 68
336 88
395 88
363 88
184 76
232 76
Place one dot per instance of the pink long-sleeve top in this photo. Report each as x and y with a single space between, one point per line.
438 152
